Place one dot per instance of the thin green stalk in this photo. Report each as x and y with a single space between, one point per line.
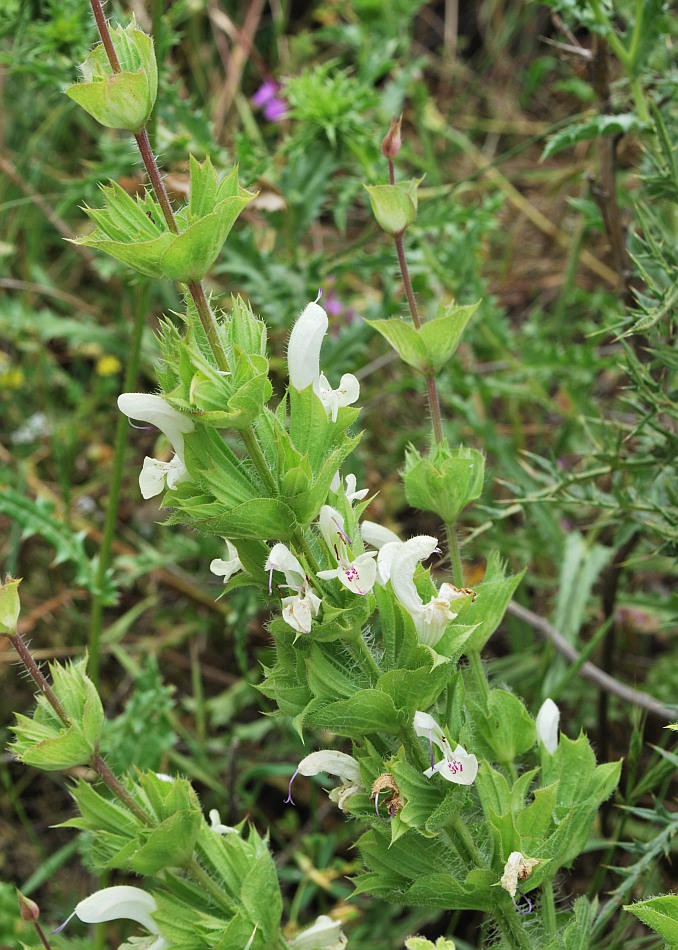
548 910
463 836
431 388
634 46
366 655
120 444
217 893
511 925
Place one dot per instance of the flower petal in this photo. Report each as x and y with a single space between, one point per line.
324 934
120 902
334 763
458 767
152 477
303 351
227 568
548 718
157 412
403 567
282 559
376 535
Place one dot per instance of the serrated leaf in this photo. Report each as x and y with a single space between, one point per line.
659 913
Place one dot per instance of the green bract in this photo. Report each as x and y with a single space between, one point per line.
125 99
121 840
44 740
9 606
394 206
446 481
134 230
430 347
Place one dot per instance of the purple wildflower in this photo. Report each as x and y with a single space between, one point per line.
267 99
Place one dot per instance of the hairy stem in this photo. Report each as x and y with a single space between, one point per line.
431 388
36 675
114 785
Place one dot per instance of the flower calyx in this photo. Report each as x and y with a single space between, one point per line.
121 99
134 230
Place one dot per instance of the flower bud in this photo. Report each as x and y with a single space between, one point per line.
392 141
9 606
125 99
28 909
394 206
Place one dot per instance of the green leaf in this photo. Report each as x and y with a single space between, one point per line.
367 711
441 336
659 913
488 608
577 934
404 339
596 127
505 730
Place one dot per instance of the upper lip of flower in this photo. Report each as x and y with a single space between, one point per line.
430 619
120 902
548 718
173 424
303 362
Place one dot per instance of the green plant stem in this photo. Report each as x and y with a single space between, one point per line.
366 655
200 875
548 910
478 675
114 785
431 388
455 554
120 444
463 836
512 927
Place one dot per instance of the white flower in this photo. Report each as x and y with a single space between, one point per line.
357 574
324 934
335 763
458 766
121 902
303 362
227 568
430 619
387 543
350 492
346 393
216 825
548 718
377 535
173 424
303 350
299 608
517 868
